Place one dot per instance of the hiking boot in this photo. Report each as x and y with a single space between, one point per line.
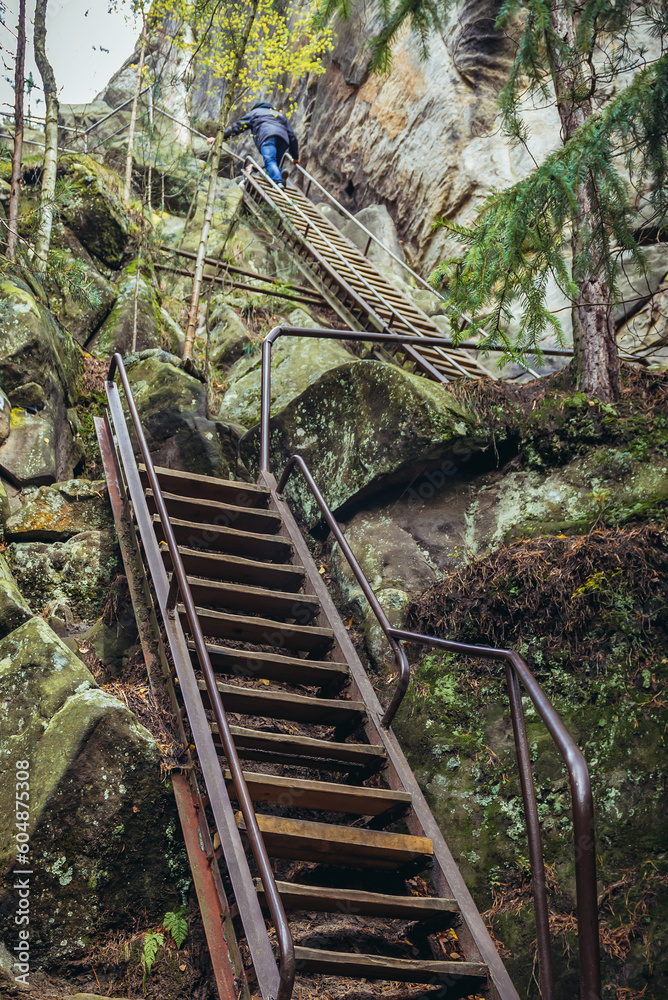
285 174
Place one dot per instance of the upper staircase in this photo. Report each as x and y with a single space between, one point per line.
348 280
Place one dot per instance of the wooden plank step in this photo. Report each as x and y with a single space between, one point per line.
224 515
304 751
238 597
328 843
234 492
262 631
471 975
299 793
236 569
360 903
214 537
285 705
274 666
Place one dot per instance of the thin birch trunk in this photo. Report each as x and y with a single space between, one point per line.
50 164
191 329
594 341
19 74
133 120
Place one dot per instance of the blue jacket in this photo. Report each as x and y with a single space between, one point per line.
265 123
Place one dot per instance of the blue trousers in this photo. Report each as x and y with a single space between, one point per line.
272 152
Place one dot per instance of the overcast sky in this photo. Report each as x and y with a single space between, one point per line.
87 41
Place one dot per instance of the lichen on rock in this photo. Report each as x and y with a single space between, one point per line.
55 513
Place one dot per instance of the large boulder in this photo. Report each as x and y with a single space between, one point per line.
55 513
101 822
40 370
70 578
229 340
363 427
646 332
172 408
296 363
14 609
137 301
92 207
378 221
80 311
395 564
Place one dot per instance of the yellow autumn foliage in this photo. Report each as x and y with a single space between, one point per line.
283 42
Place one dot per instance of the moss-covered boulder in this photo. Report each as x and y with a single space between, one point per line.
101 822
295 364
40 368
92 207
35 348
172 408
117 331
71 578
228 200
55 513
364 426
229 340
29 455
14 609
79 313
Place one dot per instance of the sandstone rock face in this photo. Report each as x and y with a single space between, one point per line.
40 369
93 210
296 363
646 332
116 334
55 513
100 818
418 139
363 427
172 408
71 578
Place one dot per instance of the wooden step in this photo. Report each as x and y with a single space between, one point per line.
468 976
327 843
274 548
275 666
236 569
365 904
224 515
299 793
285 705
304 751
187 484
262 631
238 597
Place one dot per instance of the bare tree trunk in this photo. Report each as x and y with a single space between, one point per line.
50 164
19 73
133 120
191 329
594 341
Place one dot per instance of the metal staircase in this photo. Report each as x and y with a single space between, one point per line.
354 287
292 778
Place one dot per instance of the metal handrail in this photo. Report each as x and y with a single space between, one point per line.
582 805
298 463
181 586
516 670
